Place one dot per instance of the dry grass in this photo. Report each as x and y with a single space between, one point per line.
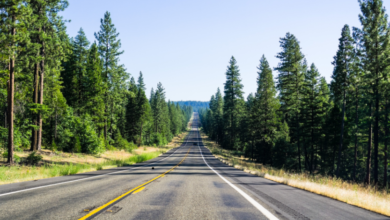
366 197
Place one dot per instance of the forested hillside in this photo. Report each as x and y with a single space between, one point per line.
300 122
73 94
196 105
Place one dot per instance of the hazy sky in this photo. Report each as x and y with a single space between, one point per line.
186 45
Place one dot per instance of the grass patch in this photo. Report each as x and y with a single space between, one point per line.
367 197
47 163
25 173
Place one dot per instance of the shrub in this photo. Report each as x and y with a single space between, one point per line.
123 144
16 158
99 167
53 146
78 134
33 158
159 139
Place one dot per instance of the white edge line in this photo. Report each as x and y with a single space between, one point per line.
263 210
56 184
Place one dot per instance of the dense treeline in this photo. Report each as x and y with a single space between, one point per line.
301 123
196 105
70 94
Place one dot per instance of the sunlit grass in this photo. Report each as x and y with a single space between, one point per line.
367 197
26 173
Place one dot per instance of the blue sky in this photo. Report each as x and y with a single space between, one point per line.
186 45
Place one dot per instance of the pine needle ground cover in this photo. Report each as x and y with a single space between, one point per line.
367 197
61 164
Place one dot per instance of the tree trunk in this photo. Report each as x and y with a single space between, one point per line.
368 167
312 142
6 122
42 75
11 102
386 137
55 125
376 133
299 149
341 138
34 135
356 136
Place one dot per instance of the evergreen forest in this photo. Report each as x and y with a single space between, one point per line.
299 122
196 105
72 93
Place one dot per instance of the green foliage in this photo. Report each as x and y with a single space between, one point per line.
33 158
77 144
233 105
123 144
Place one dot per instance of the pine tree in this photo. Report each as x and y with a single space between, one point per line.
218 115
341 73
233 104
264 118
49 31
312 114
143 113
290 81
141 84
131 111
356 85
109 50
376 36
94 88
80 53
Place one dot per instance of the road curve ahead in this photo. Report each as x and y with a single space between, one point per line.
185 183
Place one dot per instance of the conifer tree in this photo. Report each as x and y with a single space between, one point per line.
49 28
80 53
290 81
94 87
312 114
141 84
341 73
233 104
376 36
218 115
143 112
264 118
109 50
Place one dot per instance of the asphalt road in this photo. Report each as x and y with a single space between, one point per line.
186 183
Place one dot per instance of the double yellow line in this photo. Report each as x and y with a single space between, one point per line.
93 212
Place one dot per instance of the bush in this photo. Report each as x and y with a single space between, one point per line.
33 158
78 134
159 140
53 146
16 158
123 144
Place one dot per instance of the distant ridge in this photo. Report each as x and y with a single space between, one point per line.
196 105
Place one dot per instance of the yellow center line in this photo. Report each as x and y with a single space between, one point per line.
132 190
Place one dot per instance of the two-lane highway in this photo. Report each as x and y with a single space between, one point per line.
185 183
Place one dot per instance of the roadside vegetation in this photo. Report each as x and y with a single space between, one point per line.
358 194
47 163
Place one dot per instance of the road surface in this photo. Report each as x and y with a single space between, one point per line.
185 183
